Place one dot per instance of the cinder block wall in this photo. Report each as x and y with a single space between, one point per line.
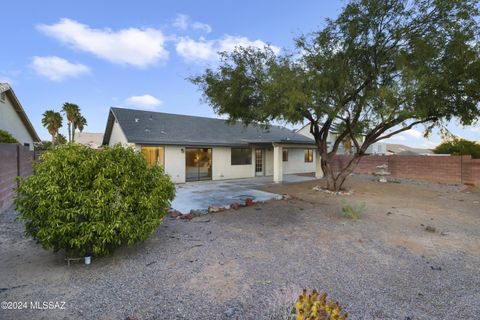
447 169
15 160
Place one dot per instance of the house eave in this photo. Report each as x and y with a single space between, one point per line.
20 111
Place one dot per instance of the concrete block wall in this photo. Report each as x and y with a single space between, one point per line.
447 169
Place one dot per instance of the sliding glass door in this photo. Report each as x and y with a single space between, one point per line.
198 164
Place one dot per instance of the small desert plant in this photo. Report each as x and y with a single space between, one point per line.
91 202
352 211
316 307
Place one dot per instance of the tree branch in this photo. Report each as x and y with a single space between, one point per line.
410 126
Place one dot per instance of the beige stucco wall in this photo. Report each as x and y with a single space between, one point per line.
269 161
11 122
175 163
117 135
296 162
222 168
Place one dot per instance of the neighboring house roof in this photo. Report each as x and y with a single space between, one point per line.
5 87
400 149
146 127
90 139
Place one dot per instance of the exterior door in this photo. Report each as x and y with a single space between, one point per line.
259 167
198 164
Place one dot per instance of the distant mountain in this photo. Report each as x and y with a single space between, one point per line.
89 139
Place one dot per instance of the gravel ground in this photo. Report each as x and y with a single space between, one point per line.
250 263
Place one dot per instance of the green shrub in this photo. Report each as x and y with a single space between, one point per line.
91 202
352 211
459 147
6 137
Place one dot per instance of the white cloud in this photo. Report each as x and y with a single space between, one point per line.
146 101
133 46
202 27
203 50
57 69
398 138
414 133
192 50
181 21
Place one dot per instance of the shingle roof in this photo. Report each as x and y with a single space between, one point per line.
146 127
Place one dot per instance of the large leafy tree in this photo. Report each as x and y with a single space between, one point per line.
457 147
382 67
53 122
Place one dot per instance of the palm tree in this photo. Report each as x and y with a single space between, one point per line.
79 123
53 122
72 112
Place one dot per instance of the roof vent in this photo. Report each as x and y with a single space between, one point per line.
147 130
136 119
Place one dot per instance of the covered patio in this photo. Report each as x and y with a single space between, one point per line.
278 174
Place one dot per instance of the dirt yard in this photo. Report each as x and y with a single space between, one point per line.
250 263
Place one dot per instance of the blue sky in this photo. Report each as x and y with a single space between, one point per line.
99 54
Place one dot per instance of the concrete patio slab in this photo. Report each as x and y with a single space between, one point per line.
200 195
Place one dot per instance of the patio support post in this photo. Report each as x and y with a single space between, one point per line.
318 165
277 163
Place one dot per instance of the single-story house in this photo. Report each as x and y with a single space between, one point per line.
13 118
197 148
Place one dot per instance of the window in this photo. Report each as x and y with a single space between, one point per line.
241 156
285 155
308 155
154 155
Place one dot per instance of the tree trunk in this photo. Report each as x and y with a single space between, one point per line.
328 173
335 182
346 171
73 132
69 132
